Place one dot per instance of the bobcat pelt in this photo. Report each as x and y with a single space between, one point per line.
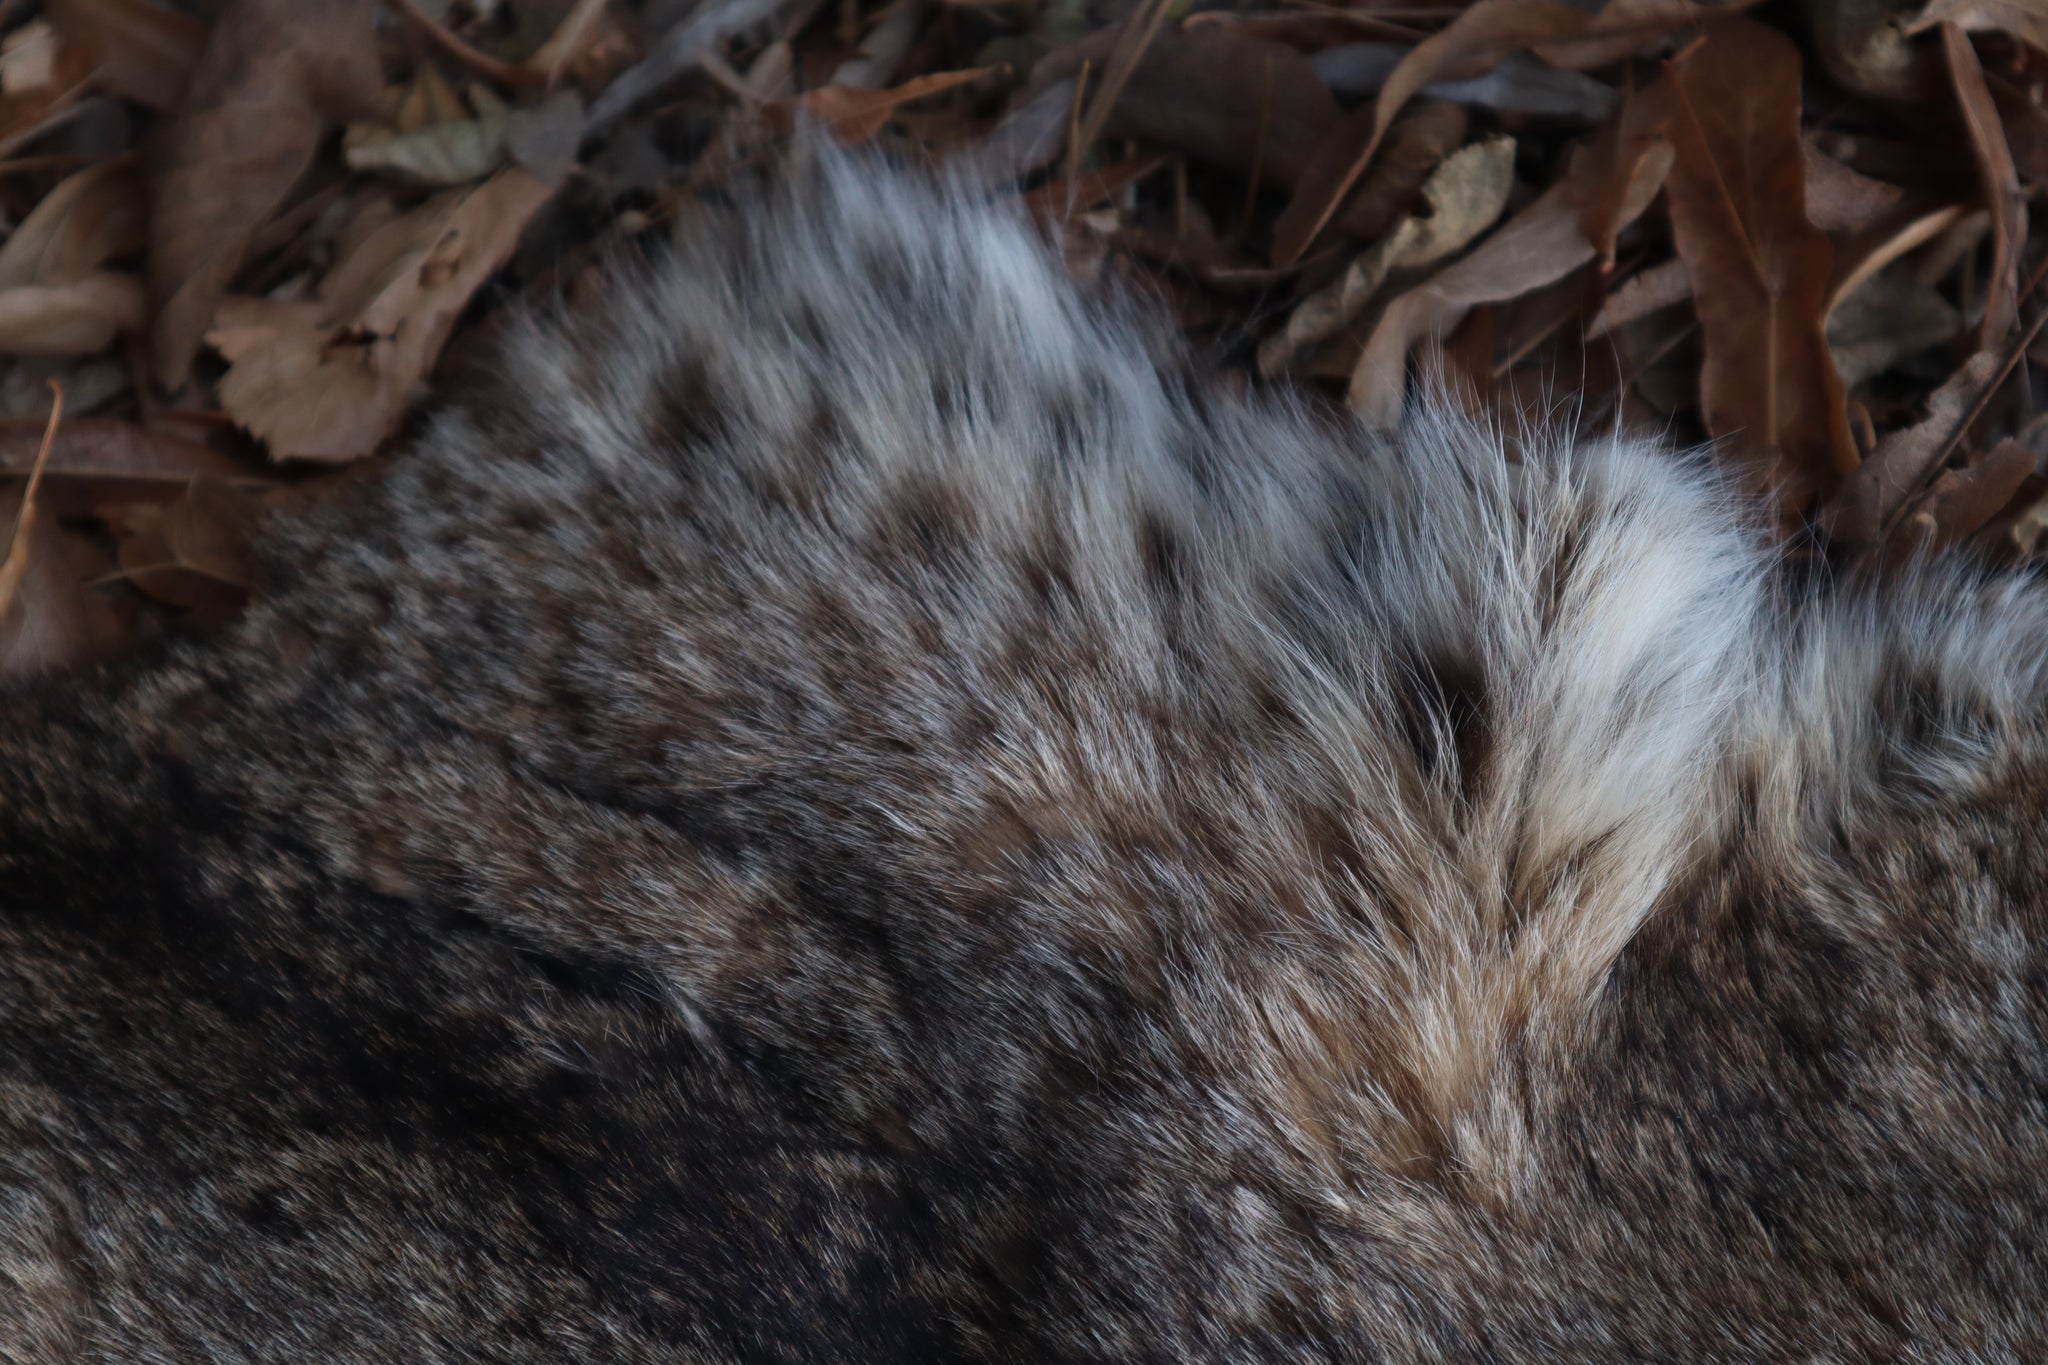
848 804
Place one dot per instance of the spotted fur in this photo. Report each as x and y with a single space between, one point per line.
845 804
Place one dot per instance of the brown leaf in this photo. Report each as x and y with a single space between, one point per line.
1640 295
209 530
2000 181
333 392
1869 252
1480 36
853 115
45 618
28 57
241 323
53 620
1760 270
1210 94
274 77
1839 199
1063 198
26 111
88 219
1539 245
143 50
16 563
1462 199
1419 140
1860 44
1611 162
81 317
1870 499
54 300
2023 19
1962 500
121 457
1892 318
192 552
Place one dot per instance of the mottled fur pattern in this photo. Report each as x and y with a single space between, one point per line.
846 804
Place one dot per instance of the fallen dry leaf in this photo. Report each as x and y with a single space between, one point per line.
2022 530
2023 19
241 322
1839 199
854 114
1063 198
1462 198
274 76
1239 103
1965 499
192 552
1541 244
101 463
1893 317
2000 181
55 621
1419 140
142 51
1871 499
1133 37
47 619
54 299
80 317
15 564
1867 253
1480 36
448 151
26 112
87 220
1610 163
1760 270
1862 45
335 391
1641 294
28 58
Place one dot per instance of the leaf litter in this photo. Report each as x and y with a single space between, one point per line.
245 234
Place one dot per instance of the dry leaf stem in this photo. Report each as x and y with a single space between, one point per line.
2013 355
16 563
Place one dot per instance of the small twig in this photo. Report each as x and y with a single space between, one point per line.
1130 49
489 67
674 55
1251 182
15 566
566 43
1073 169
2014 353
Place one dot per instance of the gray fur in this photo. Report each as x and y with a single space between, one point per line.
845 805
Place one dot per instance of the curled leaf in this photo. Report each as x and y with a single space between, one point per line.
2001 184
1871 499
1966 498
1464 196
1481 36
1538 246
334 391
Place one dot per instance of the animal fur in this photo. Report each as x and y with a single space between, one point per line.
846 805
